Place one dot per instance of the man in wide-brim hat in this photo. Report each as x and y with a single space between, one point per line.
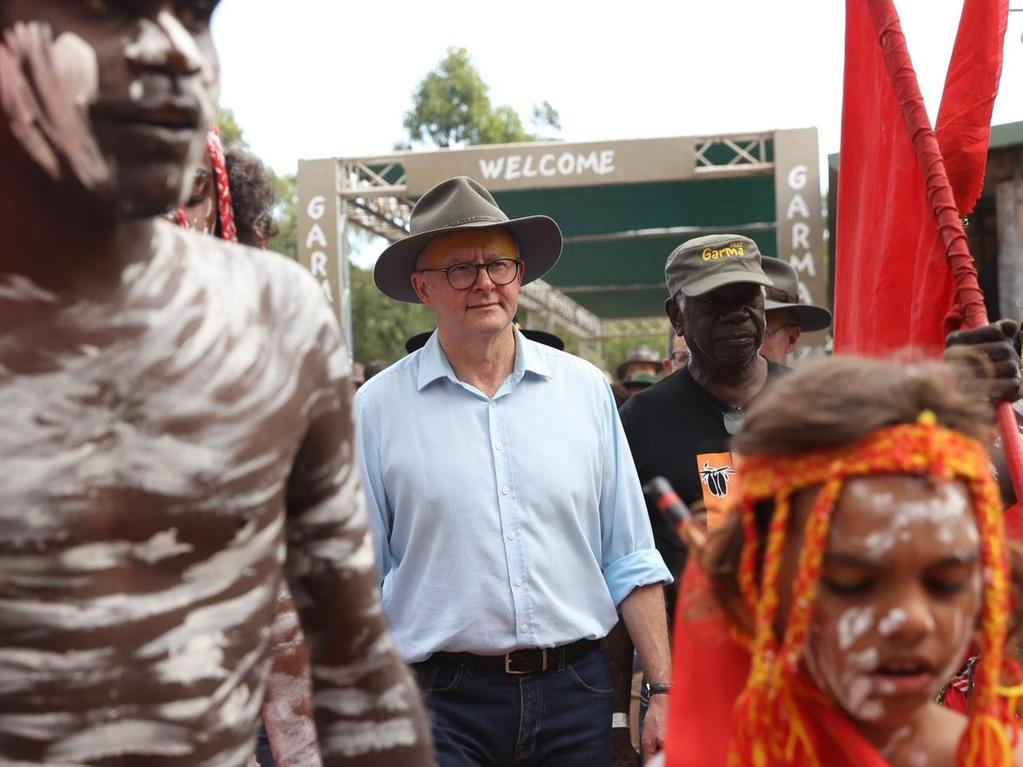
786 314
510 524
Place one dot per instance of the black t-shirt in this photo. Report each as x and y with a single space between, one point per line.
676 430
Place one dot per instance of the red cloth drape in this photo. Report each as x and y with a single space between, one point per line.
709 672
964 119
893 286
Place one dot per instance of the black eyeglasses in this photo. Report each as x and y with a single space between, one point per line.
501 271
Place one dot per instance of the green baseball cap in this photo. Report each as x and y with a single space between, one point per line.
706 263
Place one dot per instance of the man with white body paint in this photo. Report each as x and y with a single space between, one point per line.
177 419
509 520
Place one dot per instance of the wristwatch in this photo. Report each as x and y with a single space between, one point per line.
656 689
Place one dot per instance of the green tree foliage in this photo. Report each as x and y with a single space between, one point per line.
451 107
285 187
286 241
231 134
382 325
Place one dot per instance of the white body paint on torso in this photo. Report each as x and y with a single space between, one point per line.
143 515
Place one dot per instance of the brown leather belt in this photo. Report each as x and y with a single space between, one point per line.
520 661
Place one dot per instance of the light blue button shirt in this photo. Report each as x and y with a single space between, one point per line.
501 523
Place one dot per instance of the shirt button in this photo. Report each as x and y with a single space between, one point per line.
499 445
511 536
525 627
505 490
493 403
518 581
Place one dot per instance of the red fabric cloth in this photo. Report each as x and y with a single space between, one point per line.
893 285
964 119
1014 522
709 671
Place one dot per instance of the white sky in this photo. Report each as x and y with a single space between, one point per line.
316 78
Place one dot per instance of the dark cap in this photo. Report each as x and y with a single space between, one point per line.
699 266
639 381
785 296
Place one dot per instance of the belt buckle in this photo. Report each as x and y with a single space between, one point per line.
544 657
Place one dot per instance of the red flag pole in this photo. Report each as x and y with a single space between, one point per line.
968 293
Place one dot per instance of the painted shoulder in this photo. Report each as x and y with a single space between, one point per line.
237 269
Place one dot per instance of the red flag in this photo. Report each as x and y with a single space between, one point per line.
964 119
893 285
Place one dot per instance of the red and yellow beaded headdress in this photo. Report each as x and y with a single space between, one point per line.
768 725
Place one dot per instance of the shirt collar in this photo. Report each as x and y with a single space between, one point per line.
530 357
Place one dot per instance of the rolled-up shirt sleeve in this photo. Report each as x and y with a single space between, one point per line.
628 557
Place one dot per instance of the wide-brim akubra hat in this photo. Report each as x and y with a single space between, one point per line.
639 354
785 295
461 203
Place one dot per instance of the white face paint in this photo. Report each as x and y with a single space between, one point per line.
891 622
45 89
897 603
944 509
853 624
75 62
852 687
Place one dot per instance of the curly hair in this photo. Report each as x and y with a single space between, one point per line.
252 195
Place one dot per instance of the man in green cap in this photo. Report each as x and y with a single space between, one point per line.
680 427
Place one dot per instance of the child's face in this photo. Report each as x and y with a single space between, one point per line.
899 596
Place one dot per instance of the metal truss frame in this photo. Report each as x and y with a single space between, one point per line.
377 200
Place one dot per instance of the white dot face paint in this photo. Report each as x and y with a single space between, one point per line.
854 622
900 593
891 622
942 510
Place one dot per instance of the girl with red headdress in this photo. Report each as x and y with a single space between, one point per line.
867 553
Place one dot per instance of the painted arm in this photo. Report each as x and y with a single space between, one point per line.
366 704
288 707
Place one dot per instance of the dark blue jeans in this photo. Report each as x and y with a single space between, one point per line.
493 719
264 755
